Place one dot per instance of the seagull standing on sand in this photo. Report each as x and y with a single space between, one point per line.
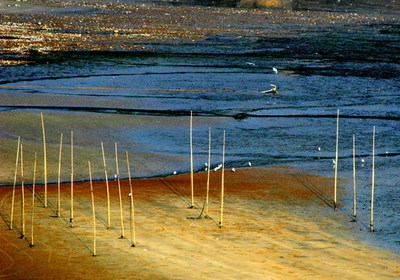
218 167
249 164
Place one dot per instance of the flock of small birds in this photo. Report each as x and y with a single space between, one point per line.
216 168
249 164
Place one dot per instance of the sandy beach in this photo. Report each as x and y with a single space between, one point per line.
131 73
277 225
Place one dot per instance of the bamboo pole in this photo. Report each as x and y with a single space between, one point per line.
22 195
58 212
71 219
354 180
132 208
336 162
371 221
107 189
191 161
119 192
15 182
221 223
44 160
93 210
208 172
33 198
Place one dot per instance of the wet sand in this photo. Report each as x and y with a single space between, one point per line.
50 27
277 225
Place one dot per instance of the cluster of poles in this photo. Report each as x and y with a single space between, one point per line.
204 212
19 165
336 163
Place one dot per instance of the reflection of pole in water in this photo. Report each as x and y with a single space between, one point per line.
354 180
371 221
107 188
15 182
58 212
33 199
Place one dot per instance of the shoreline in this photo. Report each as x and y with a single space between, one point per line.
272 223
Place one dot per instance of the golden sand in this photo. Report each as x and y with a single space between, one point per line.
277 225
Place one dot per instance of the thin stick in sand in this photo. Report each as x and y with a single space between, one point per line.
58 212
93 210
371 221
208 172
33 199
107 189
71 218
22 196
221 223
354 181
119 193
336 162
15 182
132 216
191 160
44 160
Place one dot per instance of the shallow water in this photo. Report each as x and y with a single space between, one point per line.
353 68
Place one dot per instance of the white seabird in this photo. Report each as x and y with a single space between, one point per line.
218 167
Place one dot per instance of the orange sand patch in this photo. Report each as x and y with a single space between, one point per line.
276 226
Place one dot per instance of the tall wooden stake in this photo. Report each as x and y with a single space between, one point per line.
22 195
354 180
44 161
132 216
119 193
336 162
15 182
93 210
221 223
371 221
208 172
191 161
107 189
71 218
33 199
58 212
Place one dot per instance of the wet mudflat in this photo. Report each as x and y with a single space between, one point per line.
77 56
